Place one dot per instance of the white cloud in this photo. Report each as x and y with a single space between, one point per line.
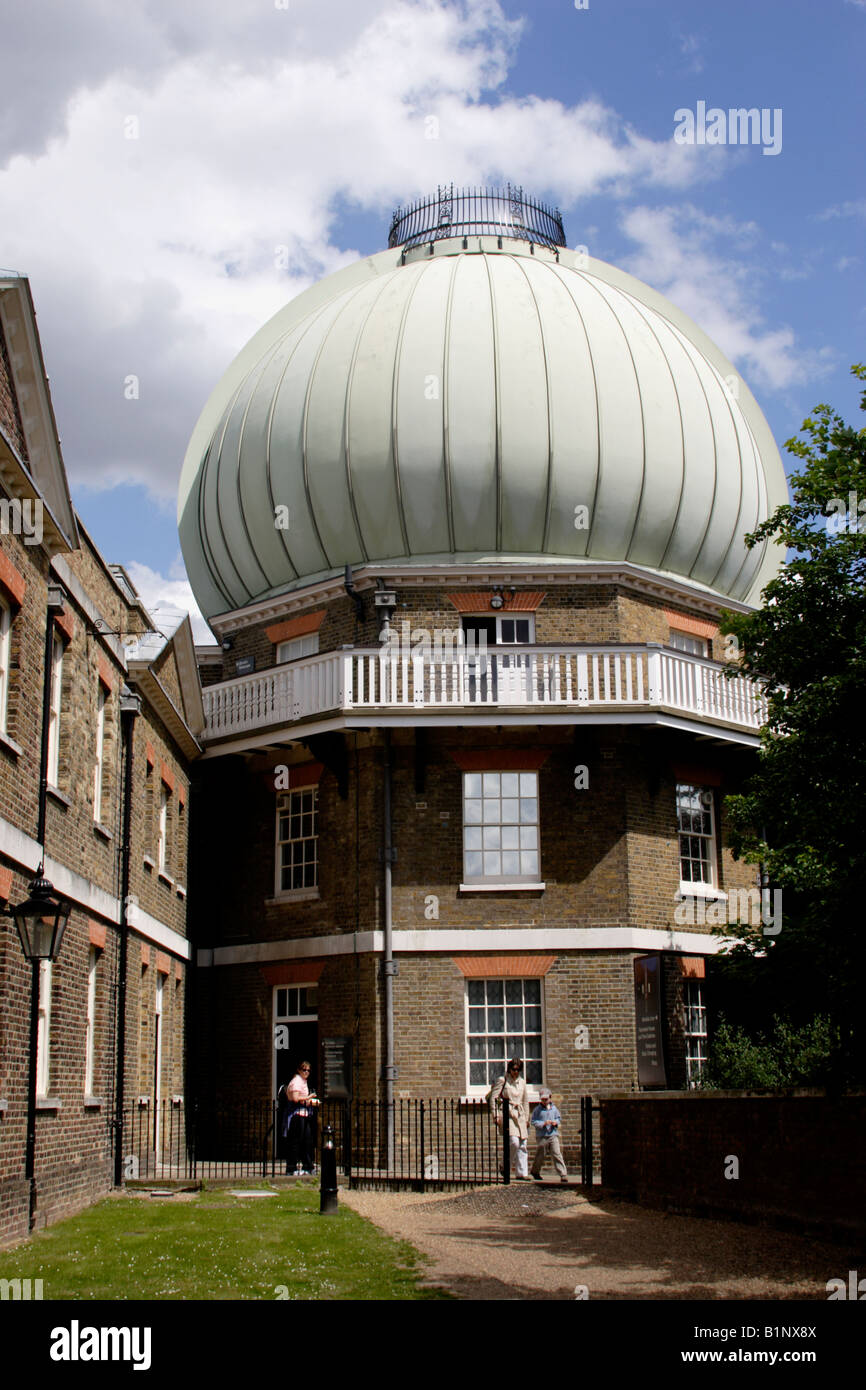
853 208
701 263
157 590
155 257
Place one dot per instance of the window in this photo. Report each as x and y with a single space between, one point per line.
56 696
162 842
503 1019
296 1002
100 753
307 645
695 1030
695 821
500 827
502 632
297 840
685 642
90 1022
43 1035
5 629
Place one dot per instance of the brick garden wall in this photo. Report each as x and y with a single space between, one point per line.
800 1156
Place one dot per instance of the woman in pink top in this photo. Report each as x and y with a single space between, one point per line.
301 1130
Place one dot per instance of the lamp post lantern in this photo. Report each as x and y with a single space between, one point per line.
41 922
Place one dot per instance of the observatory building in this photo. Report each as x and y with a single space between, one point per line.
463 518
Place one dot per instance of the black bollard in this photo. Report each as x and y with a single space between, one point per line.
328 1204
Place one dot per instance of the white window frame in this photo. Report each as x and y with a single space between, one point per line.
500 619
162 838
284 808
694 1030
478 1088
58 651
101 698
5 645
296 647
682 641
43 1035
480 793
90 1021
692 886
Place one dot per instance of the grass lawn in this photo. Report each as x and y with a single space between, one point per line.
214 1246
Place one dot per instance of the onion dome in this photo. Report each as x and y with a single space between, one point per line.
477 393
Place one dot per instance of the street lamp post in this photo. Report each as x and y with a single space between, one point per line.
41 922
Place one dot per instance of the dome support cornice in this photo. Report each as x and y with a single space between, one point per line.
456 576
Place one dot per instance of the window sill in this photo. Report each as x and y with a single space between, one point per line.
294 895
149 863
700 890
502 887
48 1103
164 878
180 890
10 745
102 830
58 795
92 1103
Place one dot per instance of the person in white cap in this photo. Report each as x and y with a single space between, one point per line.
546 1121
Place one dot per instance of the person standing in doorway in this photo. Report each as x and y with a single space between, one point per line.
510 1090
301 1122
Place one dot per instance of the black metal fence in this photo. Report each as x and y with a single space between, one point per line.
504 212
417 1143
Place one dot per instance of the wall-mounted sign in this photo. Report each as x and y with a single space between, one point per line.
648 1021
336 1068
245 665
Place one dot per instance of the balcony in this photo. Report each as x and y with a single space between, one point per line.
362 687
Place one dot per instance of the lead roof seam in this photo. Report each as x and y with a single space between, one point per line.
643 312
395 382
310 379
625 336
748 558
556 271
207 554
497 407
311 321
222 433
350 377
728 403
520 260
446 423
264 364
700 380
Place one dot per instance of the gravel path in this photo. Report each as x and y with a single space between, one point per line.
539 1242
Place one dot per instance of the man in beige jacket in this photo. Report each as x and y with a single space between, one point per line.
510 1089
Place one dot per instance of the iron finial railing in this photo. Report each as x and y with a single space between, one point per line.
499 212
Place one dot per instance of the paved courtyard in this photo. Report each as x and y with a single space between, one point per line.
540 1242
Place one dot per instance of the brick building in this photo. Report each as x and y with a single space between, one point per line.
123 708
464 518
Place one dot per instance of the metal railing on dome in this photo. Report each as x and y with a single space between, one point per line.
499 212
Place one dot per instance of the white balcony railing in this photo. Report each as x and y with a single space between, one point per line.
646 677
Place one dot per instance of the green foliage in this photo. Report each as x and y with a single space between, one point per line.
788 1057
802 815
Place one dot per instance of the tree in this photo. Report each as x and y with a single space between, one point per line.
802 815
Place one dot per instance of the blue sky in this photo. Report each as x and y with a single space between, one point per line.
256 124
